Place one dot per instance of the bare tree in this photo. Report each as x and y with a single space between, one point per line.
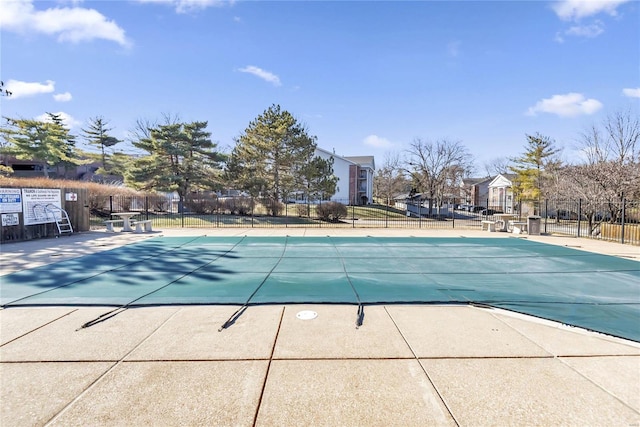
610 171
612 154
389 180
498 165
436 167
623 134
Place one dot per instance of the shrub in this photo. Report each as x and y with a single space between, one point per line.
331 211
158 203
237 205
303 210
203 205
273 207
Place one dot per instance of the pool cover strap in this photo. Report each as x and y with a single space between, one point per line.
118 310
244 306
138 261
360 317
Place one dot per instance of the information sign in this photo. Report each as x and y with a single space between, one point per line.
10 219
39 205
10 200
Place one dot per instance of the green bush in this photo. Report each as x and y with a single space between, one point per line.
331 211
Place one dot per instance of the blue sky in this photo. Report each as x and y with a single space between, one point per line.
365 77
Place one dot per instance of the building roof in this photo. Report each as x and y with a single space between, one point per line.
363 160
502 180
356 160
475 181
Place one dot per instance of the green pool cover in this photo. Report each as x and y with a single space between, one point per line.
597 292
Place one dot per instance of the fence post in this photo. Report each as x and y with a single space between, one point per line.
579 215
546 214
353 216
286 214
181 209
419 212
453 214
624 208
110 205
386 215
146 207
253 206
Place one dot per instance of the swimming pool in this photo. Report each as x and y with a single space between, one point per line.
593 291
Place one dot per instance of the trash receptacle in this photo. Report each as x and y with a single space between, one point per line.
533 225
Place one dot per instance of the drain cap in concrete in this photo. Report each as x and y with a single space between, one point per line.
306 315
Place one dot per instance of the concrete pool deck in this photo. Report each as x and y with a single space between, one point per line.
408 365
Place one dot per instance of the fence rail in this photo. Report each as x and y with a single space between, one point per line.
604 220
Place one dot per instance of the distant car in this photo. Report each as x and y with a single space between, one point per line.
489 212
476 208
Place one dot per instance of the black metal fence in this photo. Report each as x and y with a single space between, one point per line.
607 220
604 220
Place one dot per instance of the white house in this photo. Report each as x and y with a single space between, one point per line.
501 193
355 177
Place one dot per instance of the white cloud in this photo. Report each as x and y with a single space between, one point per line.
69 24
568 105
558 38
20 89
263 74
569 10
631 92
187 6
377 142
62 97
67 119
590 31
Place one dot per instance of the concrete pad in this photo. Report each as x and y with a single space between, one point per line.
32 393
16 322
16 256
350 392
171 393
619 375
109 340
460 331
192 334
333 334
541 392
561 340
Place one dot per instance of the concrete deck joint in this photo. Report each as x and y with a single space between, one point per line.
266 375
415 357
110 369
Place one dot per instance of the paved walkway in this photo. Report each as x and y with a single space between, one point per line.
407 365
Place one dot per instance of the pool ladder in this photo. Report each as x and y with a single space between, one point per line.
50 212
